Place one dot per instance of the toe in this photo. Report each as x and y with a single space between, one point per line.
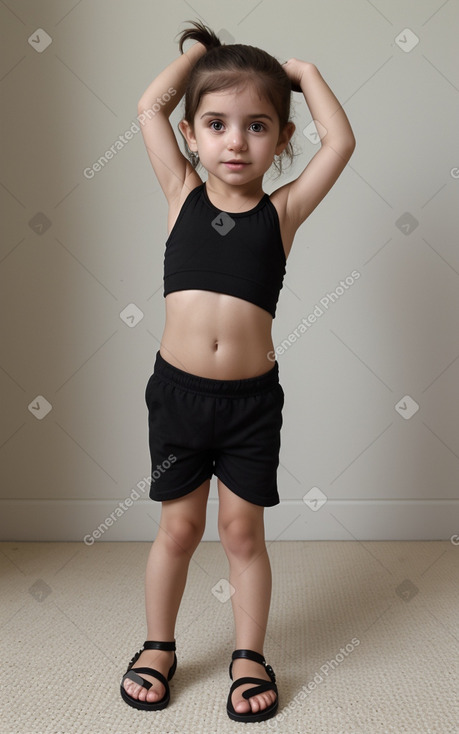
262 701
270 698
254 704
131 688
242 706
153 695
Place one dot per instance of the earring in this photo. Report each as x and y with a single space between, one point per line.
194 158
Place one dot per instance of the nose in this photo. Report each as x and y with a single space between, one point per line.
236 139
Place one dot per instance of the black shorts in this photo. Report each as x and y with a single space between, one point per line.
200 426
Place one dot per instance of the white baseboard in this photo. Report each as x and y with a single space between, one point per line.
79 520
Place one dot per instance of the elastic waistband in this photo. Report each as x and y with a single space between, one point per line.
209 386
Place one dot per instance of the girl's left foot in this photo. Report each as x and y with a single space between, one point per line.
260 706
241 669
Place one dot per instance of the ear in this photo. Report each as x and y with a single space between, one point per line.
187 132
284 137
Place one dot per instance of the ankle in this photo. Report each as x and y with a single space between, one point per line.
158 654
257 648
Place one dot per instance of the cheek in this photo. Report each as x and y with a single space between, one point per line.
266 148
210 143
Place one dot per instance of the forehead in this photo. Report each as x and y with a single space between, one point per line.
242 98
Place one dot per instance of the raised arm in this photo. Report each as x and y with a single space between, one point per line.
154 109
337 142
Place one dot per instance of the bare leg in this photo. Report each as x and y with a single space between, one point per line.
181 527
241 528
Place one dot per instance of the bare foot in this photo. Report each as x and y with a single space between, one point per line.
159 660
242 668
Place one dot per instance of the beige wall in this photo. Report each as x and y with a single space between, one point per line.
78 250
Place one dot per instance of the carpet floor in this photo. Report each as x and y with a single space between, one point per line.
363 638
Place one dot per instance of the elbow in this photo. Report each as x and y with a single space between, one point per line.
348 147
146 103
350 143
344 146
142 105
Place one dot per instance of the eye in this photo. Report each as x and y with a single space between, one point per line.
258 125
216 122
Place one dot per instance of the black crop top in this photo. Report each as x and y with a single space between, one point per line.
240 254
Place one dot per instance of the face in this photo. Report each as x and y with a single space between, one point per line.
236 126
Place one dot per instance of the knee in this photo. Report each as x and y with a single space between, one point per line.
181 535
240 537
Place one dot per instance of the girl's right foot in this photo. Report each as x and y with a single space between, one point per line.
159 660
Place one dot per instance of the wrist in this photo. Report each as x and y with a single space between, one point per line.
307 68
195 51
308 77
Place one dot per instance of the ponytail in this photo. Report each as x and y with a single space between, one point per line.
200 33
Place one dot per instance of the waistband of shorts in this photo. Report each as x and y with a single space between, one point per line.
209 386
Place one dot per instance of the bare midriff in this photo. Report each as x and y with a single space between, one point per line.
217 336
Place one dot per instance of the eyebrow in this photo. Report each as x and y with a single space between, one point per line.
221 114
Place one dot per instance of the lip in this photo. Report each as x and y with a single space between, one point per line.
235 164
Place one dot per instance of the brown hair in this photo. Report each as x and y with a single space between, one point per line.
229 66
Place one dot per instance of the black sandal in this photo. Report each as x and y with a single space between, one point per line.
264 685
146 705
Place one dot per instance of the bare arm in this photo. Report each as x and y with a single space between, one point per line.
337 142
154 108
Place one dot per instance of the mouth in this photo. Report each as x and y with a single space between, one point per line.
235 164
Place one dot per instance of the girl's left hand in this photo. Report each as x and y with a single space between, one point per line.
294 69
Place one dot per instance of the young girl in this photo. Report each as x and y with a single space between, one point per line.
214 399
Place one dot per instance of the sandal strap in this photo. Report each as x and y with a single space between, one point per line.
167 646
256 657
250 655
264 685
151 645
133 675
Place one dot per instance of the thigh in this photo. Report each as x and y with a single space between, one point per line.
248 445
180 424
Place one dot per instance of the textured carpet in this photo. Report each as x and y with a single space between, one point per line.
363 637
